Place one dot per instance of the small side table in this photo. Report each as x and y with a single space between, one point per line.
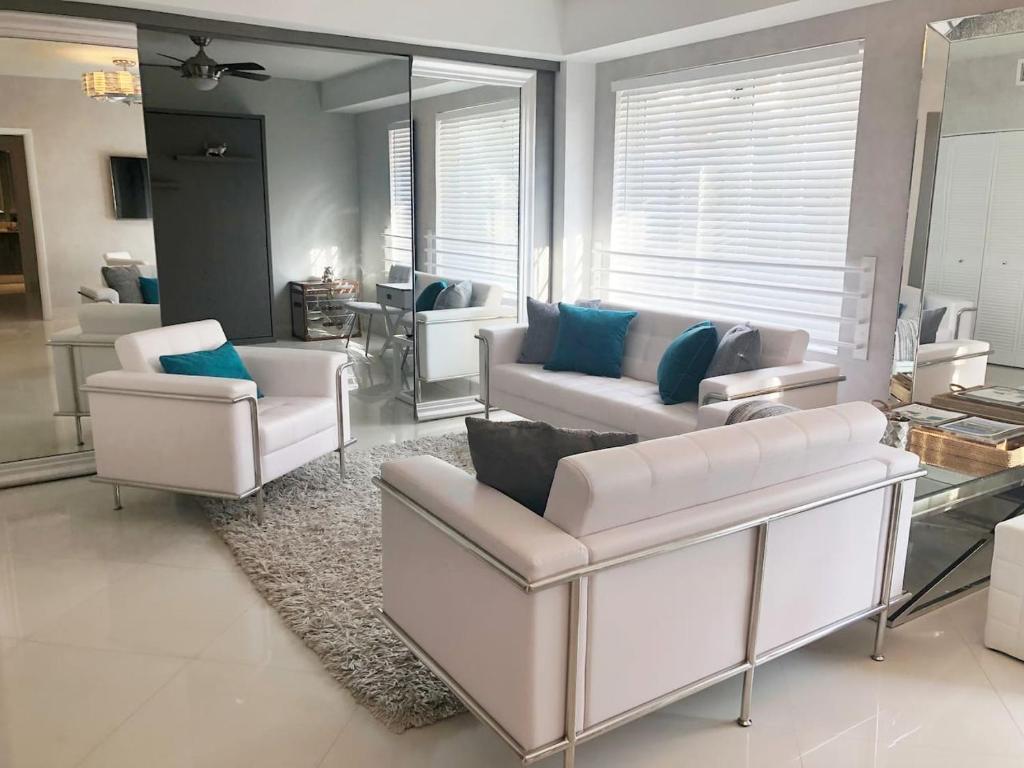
320 310
397 296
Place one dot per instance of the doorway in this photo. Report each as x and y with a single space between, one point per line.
20 294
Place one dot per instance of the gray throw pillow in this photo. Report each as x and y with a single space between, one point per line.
455 296
519 458
738 351
931 319
124 280
539 342
758 409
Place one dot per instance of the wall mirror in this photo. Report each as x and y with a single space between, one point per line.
961 313
70 105
472 131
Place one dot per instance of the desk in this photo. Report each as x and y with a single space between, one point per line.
396 296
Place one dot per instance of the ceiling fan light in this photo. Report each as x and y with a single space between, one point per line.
204 83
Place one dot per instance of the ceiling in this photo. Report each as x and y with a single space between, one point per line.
62 61
281 61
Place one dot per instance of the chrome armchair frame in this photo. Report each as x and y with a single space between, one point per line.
79 411
575 578
254 427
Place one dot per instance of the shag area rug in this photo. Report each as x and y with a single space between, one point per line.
317 561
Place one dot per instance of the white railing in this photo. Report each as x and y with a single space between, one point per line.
831 301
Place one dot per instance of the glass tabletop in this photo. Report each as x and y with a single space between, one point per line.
942 489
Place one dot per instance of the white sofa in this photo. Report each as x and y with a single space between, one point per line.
88 348
657 569
632 403
445 339
104 293
212 436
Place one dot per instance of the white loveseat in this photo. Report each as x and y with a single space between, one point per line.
88 348
658 569
632 403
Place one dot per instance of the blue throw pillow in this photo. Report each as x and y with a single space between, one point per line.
590 340
150 288
428 297
685 362
222 362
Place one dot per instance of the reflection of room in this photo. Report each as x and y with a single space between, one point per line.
59 218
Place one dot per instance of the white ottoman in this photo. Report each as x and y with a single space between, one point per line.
1004 628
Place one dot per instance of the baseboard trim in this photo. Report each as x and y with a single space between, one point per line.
47 468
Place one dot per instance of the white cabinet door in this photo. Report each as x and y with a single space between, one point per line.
1001 300
956 243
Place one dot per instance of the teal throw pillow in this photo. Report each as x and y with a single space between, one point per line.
428 296
590 340
685 362
150 288
222 363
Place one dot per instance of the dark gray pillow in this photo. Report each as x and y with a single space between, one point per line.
758 409
931 319
539 343
455 296
124 280
519 458
738 351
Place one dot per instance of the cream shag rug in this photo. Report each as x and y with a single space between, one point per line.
317 561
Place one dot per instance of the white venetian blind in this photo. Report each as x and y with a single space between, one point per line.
398 237
732 191
477 178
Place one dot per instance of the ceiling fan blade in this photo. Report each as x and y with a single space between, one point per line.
246 75
176 67
242 65
172 58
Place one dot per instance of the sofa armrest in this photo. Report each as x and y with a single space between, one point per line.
525 542
503 343
807 384
100 295
168 384
295 372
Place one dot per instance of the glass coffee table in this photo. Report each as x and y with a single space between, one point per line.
951 534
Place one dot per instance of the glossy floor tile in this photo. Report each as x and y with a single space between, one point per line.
131 638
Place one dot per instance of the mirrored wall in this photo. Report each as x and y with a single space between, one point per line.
961 311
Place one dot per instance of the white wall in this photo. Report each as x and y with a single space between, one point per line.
73 138
312 174
894 35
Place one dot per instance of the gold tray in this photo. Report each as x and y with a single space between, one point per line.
942 449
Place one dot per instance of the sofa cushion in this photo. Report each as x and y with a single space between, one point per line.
685 362
739 351
519 458
428 296
222 363
542 332
626 404
124 280
285 421
150 289
590 340
931 319
455 296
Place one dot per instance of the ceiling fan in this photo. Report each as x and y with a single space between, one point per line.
205 73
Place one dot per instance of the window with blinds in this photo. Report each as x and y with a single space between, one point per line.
477 195
398 236
731 192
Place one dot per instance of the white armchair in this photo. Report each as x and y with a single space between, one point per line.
212 436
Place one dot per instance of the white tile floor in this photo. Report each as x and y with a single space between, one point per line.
131 639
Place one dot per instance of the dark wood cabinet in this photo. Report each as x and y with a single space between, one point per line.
210 220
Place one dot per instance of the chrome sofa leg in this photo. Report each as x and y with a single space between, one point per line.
879 652
748 692
261 514
78 431
117 496
341 461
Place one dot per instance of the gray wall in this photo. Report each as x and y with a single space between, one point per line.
73 138
311 167
893 33
981 94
